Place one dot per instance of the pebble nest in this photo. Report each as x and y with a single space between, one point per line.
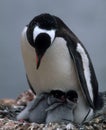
9 109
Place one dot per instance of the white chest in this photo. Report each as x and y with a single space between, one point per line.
56 70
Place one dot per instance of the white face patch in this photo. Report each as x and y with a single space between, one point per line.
86 68
38 30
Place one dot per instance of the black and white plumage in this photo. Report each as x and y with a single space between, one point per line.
55 58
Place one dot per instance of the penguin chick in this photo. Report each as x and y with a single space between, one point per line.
63 111
35 110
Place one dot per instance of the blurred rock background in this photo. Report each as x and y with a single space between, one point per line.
87 19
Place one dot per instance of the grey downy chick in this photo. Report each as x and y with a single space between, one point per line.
63 110
35 110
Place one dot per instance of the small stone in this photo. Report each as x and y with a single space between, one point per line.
97 120
70 126
97 127
89 128
104 125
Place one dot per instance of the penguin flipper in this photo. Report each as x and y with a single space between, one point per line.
85 71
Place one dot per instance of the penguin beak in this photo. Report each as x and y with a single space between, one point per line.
38 60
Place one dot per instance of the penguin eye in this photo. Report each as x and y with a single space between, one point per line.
38 31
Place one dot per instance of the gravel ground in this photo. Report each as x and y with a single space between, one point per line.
9 108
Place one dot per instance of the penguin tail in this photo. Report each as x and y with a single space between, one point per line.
99 103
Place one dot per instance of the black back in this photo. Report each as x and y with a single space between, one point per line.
72 41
